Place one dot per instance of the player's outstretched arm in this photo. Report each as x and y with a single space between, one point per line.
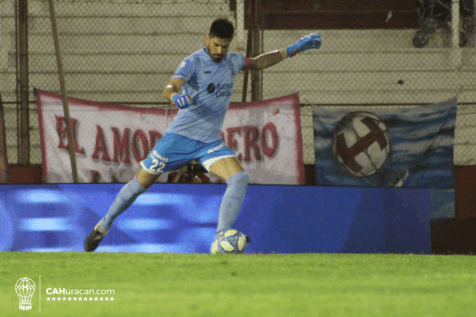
312 41
171 93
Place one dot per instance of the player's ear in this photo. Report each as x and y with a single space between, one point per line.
207 39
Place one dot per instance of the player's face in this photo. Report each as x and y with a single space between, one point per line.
217 47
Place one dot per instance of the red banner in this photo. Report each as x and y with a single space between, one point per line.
110 140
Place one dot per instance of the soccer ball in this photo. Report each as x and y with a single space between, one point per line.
229 241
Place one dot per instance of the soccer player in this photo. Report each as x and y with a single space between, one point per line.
206 78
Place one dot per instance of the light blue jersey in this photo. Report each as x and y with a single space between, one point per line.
210 85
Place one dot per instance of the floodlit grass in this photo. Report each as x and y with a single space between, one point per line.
243 285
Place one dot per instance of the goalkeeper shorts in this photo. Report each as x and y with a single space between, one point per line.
174 151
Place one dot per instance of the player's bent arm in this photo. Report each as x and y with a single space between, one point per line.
173 88
265 60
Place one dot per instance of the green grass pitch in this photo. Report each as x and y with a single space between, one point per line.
242 285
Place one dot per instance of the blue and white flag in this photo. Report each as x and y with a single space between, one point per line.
410 148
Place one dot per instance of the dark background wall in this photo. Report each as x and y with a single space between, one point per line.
336 14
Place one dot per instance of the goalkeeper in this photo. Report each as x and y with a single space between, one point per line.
206 79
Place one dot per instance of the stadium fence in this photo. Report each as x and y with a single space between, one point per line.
125 52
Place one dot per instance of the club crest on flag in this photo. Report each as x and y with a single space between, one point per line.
361 143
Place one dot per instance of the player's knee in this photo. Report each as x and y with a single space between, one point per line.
240 179
146 179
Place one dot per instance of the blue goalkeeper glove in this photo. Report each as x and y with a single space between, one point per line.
304 44
181 101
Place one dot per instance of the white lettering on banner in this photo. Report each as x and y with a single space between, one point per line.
111 140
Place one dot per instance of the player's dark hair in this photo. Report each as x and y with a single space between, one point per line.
222 28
